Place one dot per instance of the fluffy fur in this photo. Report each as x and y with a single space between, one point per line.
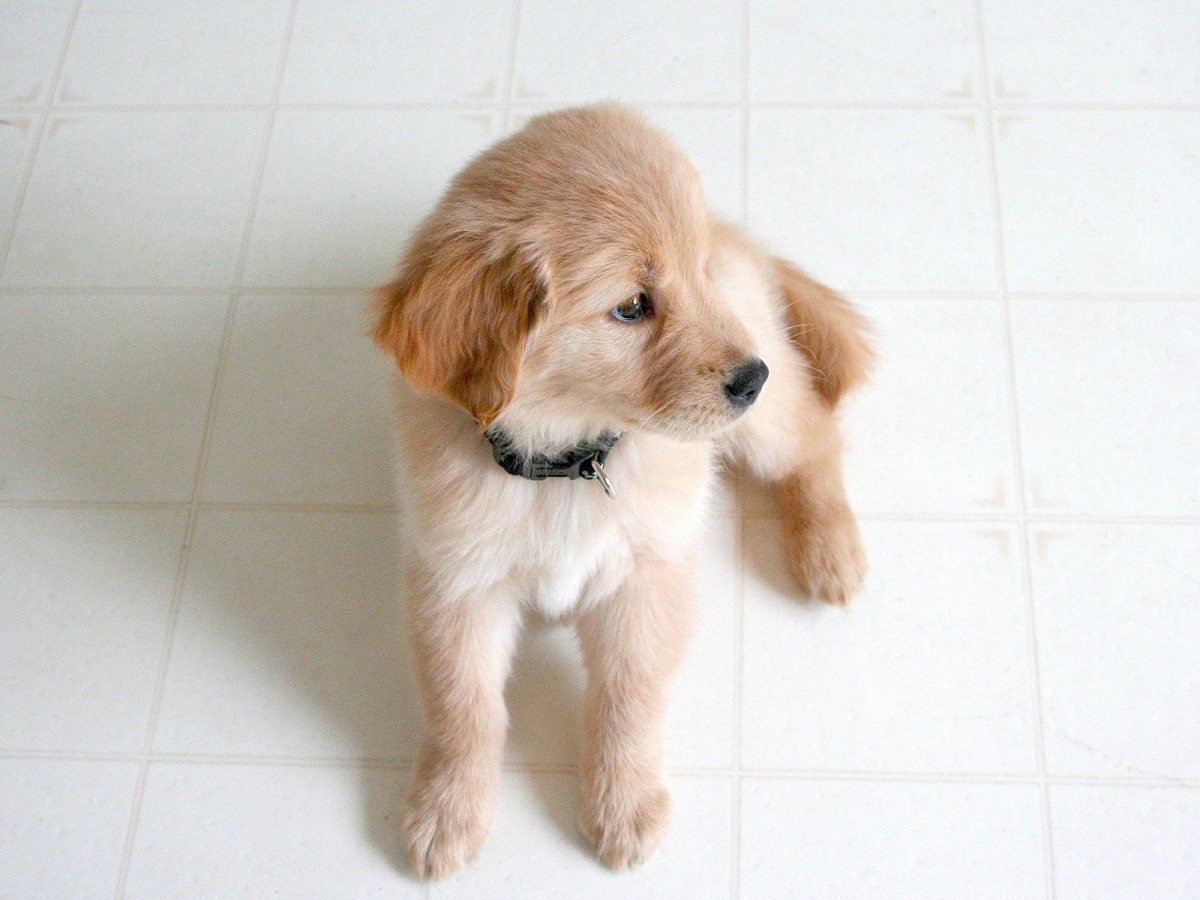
501 315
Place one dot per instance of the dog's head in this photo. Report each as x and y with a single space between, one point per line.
562 279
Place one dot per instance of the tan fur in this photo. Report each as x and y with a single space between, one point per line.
461 659
457 321
631 649
832 333
502 307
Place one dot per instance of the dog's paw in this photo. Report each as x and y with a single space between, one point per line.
827 558
446 821
626 830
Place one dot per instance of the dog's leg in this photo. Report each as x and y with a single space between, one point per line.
790 442
817 349
462 649
821 537
823 543
632 646
799 458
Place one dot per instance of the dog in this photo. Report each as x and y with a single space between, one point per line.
583 343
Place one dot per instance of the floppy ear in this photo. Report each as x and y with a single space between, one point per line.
829 330
456 322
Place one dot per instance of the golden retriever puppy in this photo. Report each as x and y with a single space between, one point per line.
584 341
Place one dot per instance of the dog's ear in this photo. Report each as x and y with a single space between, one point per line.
833 335
456 321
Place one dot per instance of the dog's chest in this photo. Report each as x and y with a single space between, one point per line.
555 544
569 552
582 568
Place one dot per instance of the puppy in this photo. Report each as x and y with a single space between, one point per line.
585 341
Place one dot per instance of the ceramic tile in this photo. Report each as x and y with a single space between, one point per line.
874 199
187 51
87 595
343 189
304 414
137 199
16 141
852 51
1100 201
257 830
395 53
1125 843
930 432
927 671
105 397
31 40
577 51
1104 398
545 692
1118 620
841 840
62 827
536 849
289 640
1103 51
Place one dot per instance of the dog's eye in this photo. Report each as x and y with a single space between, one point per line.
632 309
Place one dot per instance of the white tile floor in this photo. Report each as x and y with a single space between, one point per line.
203 691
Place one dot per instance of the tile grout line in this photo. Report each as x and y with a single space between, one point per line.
1033 662
1094 297
997 780
510 70
188 290
206 506
744 109
899 295
1007 517
735 819
992 778
739 632
1036 687
963 105
964 517
194 506
35 146
146 756
569 768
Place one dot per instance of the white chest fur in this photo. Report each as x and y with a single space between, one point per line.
551 544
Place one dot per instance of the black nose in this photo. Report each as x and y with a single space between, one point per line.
743 386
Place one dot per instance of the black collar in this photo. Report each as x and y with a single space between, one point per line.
579 461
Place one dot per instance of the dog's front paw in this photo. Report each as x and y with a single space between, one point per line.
446 820
626 827
827 557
